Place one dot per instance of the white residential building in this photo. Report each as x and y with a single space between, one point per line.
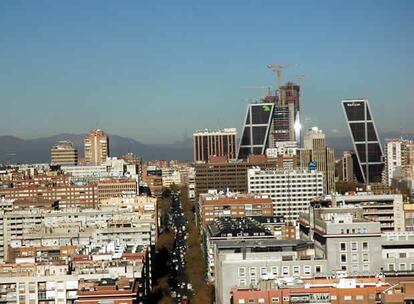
290 191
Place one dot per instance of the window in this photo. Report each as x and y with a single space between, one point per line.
391 267
365 257
252 271
364 246
263 271
296 270
241 301
343 258
285 270
317 269
365 267
402 267
412 267
253 281
275 300
354 258
285 298
359 297
242 282
251 301
403 255
306 270
261 300
343 246
242 272
347 298
274 270
354 246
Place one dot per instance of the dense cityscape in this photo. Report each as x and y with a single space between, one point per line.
237 194
269 215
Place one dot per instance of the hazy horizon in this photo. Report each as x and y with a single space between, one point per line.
156 72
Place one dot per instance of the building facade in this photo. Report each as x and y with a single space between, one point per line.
365 139
96 145
64 153
290 191
214 143
256 128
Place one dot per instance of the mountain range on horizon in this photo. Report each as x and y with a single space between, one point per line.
16 150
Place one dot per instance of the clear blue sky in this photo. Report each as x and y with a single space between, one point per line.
157 70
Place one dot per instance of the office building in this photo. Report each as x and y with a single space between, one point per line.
214 143
345 167
365 140
255 134
96 145
64 153
315 153
290 191
222 174
286 124
214 205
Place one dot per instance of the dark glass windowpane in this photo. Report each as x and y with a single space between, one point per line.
354 110
375 172
261 113
244 153
371 132
246 137
259 134
374 153
358 131
257 150
361 152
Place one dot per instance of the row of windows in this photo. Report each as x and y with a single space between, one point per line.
354 246
254 272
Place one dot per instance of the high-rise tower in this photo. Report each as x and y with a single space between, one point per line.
214 143
322 157
286 124
365 139
96 147
256 129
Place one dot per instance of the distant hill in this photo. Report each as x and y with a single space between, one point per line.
17 150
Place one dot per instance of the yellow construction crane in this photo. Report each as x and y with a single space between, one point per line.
277 68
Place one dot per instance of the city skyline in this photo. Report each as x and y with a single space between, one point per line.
68 71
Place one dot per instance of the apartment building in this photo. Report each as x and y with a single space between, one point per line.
387 209
290 191
116 188
96 145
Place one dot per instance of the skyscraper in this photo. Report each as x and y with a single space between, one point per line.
96 147
365 139
256 129
64 153
315 151
214 143
286 119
